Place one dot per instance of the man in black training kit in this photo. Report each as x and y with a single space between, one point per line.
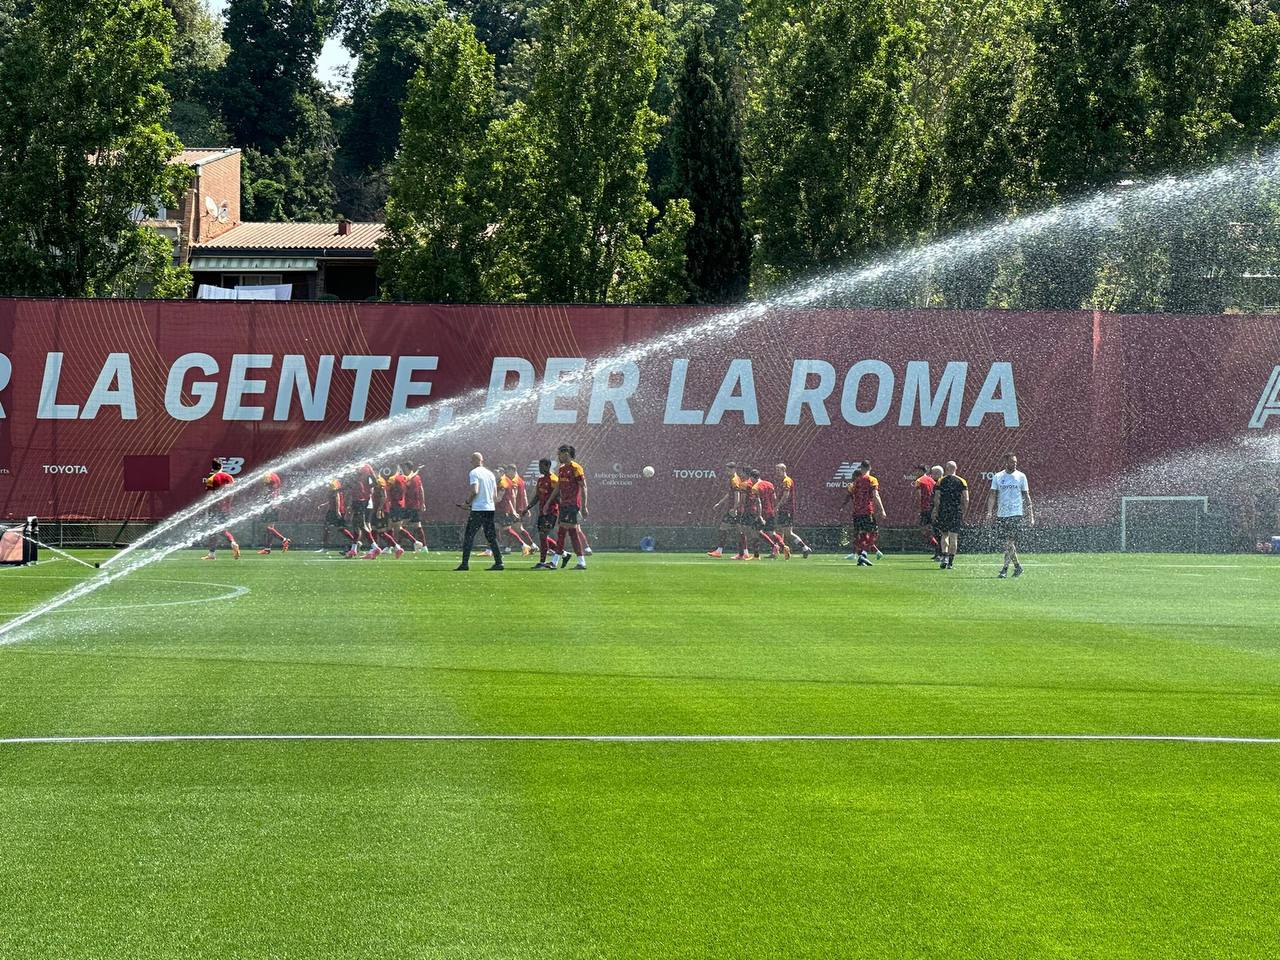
950 504
481 490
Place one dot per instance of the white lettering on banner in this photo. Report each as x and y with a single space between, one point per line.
729 397
884 393
48 407
296 381
997 396
117 370
917 387
66 468
1268 403
502 368
6 371
680 474
232 465
206 393
406 387
364 367
676 414
604 393
239 386
815 398
555 386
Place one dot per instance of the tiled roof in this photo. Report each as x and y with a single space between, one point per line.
295 236
196 155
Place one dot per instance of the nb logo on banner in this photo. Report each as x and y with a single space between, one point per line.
843 474
1268 403
232 465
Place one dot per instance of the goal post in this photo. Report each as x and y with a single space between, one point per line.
17 543
1134 508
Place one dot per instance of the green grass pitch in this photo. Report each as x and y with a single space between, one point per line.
938 849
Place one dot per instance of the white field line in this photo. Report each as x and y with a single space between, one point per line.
232 593
638 738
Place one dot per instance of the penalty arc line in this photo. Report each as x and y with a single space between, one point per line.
150 738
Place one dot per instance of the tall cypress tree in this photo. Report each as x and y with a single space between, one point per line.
708 168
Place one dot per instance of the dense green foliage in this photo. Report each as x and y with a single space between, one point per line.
83 151
483 850
802 137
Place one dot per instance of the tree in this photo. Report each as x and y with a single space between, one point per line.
83 150
197 53
579 216
395 48
708 171
268 80
833 142
441 208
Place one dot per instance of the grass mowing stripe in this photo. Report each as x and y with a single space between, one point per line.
639 737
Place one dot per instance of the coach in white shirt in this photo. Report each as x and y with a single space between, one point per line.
1010 501
482 489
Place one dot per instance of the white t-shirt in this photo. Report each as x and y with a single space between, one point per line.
482 479
1009 488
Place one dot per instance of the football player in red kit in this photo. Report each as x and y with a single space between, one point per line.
787 509
335 517
415 504
548 513
763 508
272 516
868 510
510 492
220 512
571 495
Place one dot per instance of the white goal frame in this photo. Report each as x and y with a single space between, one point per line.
1124 512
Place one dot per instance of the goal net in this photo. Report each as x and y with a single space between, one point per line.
1163 524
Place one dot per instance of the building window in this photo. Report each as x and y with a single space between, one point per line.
234 280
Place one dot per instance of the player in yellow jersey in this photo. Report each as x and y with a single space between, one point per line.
728 508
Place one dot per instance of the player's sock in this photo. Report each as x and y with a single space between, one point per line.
561 535
796 539
390 538
274 532
579 544
723 537
350 536
742 544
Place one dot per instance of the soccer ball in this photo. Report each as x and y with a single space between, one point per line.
648 473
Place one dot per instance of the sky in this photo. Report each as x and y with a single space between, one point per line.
333 58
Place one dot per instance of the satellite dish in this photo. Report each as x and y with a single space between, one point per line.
224 213
210 207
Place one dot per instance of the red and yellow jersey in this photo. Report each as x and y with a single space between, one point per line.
572 479
764 494
787 494
337 499
522 493
924 487
863 491
215 482
366 480
745 492
273 483
545 487
396 491
380 494
506 495
415 497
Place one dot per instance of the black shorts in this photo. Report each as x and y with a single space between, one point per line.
767 524
569 514
926 518
334 519
271 516
949 522
508 519
411 515
747 520
785 519
731 519
547 522
866 523
359 514
1009 528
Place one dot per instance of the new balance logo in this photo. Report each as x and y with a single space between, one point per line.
232 465
843 475
1268 403
531 472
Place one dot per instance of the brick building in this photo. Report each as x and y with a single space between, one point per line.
317 259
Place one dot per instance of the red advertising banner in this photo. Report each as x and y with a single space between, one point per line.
114 409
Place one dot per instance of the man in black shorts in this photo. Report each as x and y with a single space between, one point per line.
950 504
